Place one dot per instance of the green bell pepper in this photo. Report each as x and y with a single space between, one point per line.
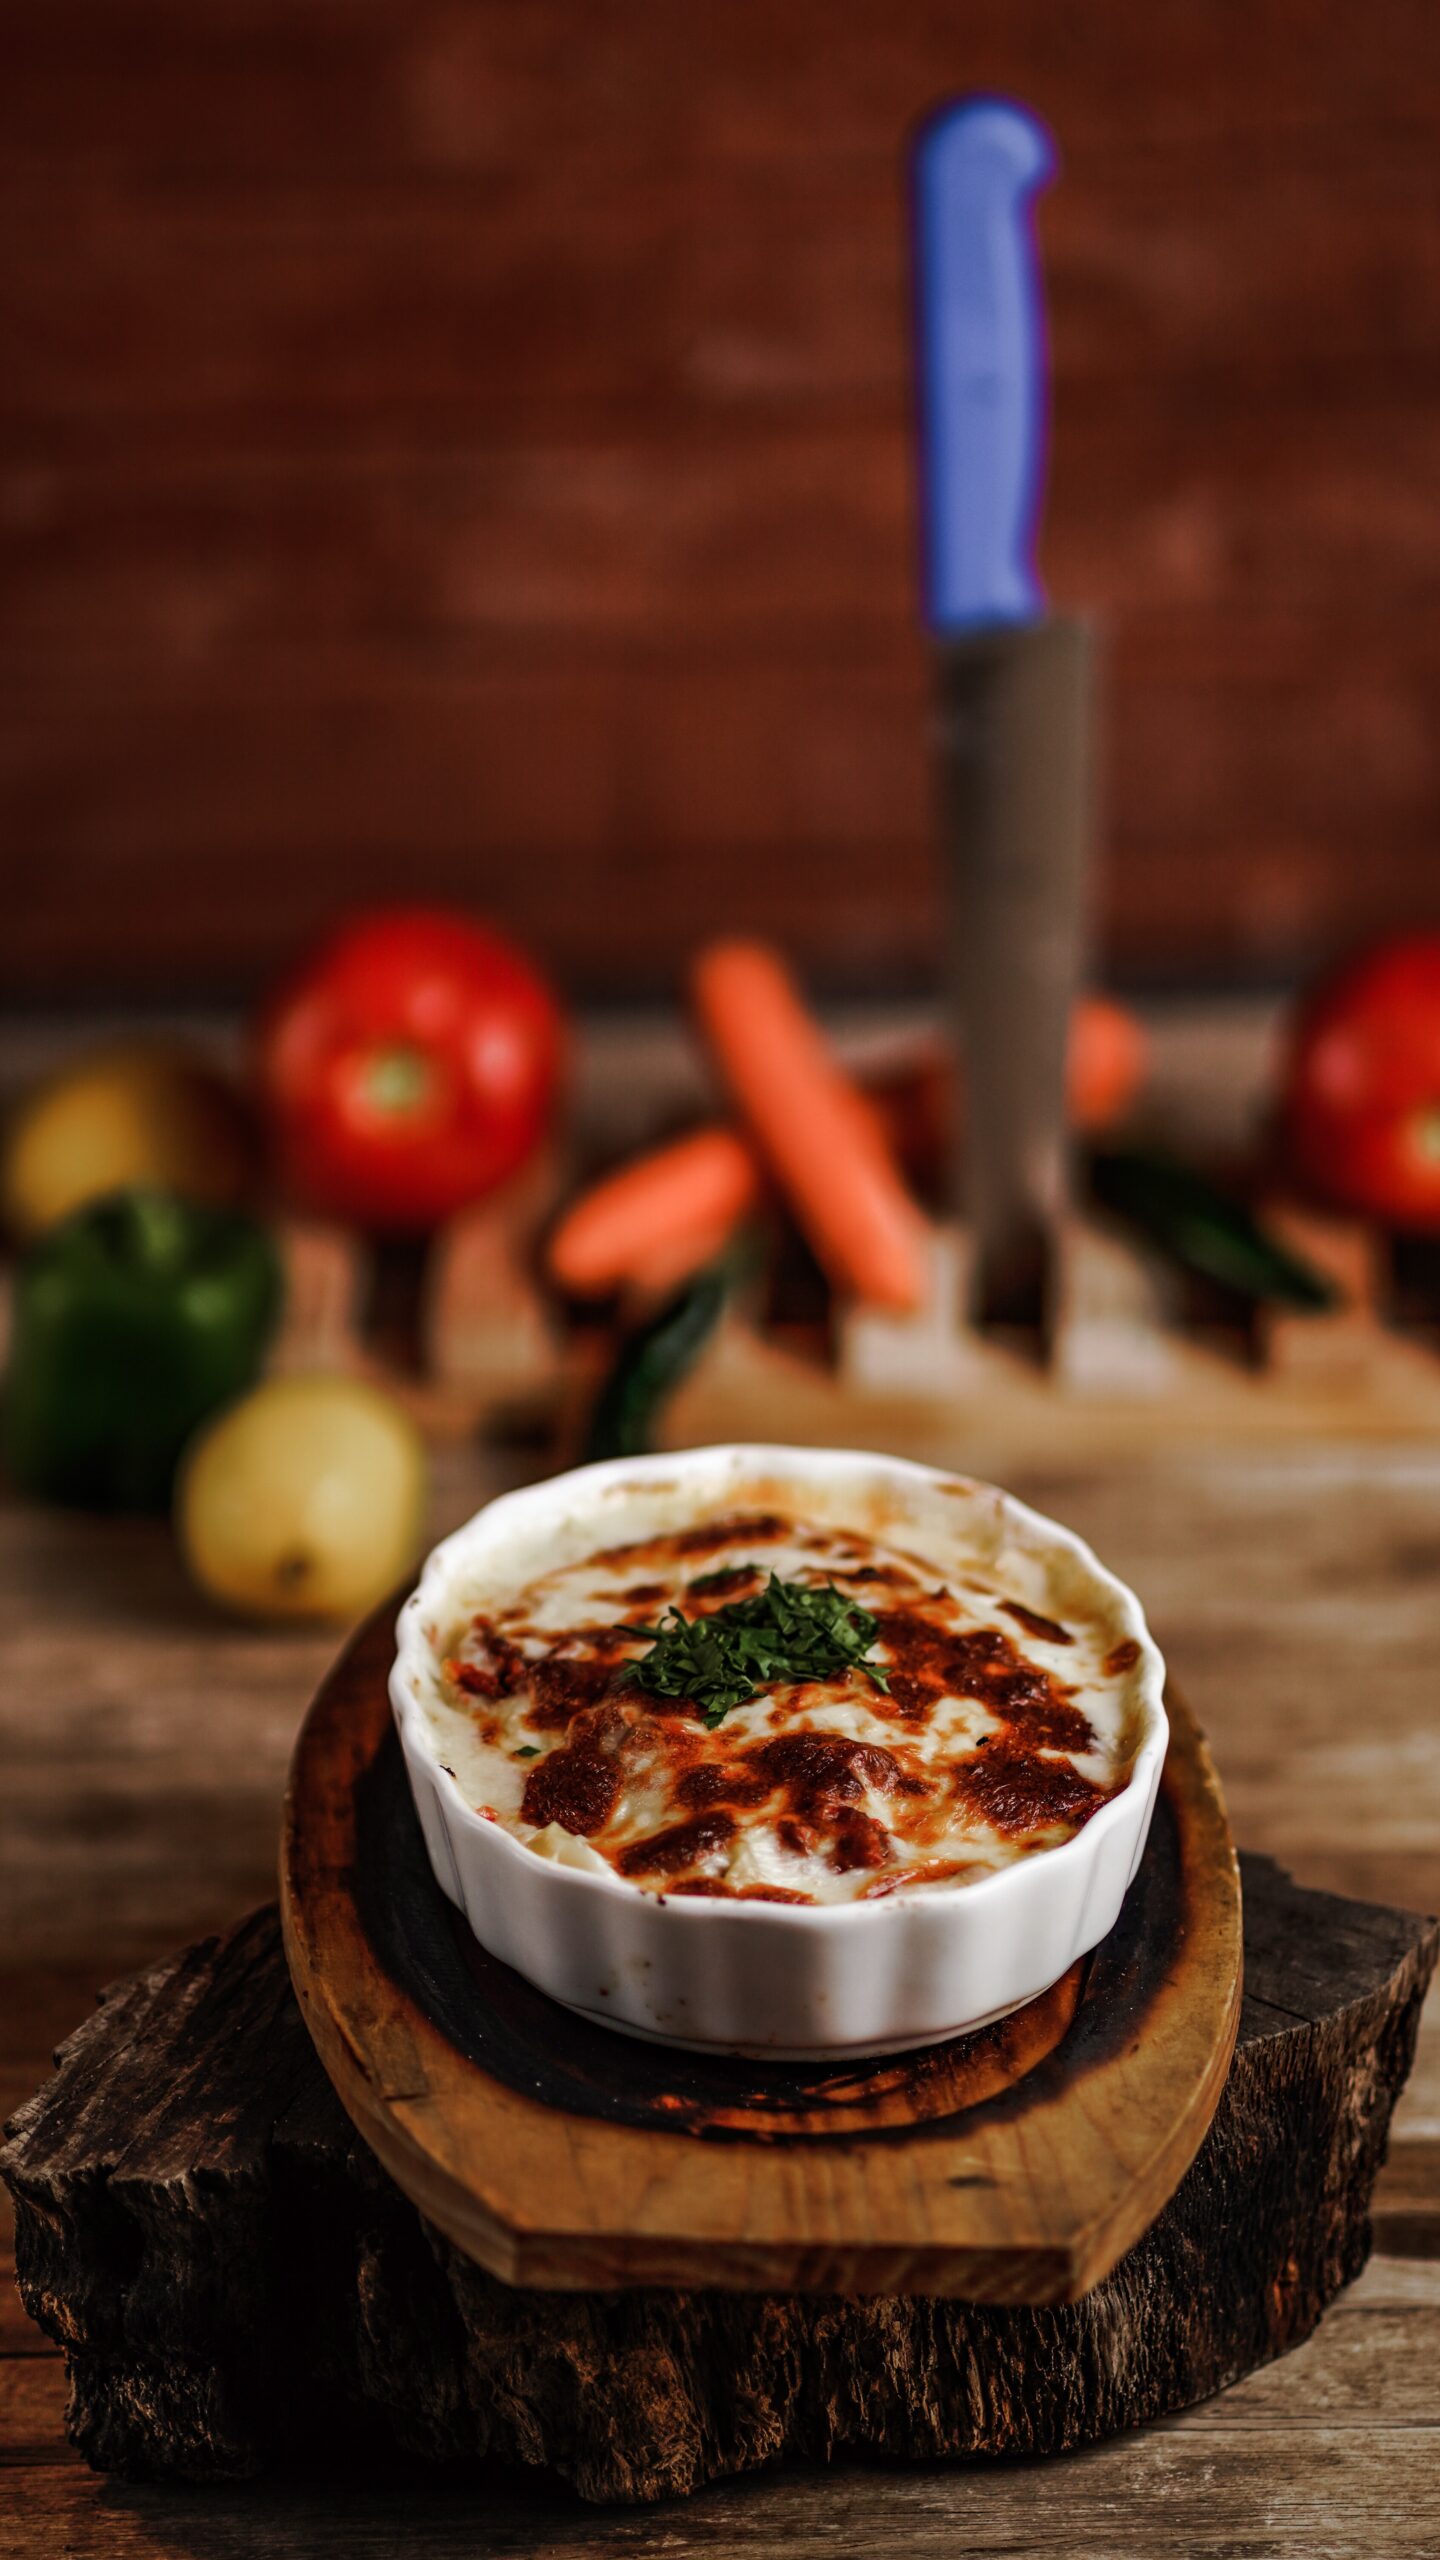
134 1320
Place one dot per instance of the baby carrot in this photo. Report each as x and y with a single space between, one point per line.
818 1137
663 1213
1107 1062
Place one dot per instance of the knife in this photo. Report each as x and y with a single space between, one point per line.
1013 691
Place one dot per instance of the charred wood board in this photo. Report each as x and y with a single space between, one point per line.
1016 2164
235 2279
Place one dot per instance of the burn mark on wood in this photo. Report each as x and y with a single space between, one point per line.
512 2031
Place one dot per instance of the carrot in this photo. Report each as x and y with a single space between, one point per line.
817 1135
656 1274
1106 1065
665 1212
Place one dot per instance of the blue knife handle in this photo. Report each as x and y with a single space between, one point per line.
978 166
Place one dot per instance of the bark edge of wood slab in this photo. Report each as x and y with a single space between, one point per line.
235 2280
1013 2166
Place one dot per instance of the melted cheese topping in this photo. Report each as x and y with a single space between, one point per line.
1001 1734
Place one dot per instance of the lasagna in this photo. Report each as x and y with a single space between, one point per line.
758 1706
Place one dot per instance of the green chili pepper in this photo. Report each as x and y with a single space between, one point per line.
134 1320
1205 1229
652 1361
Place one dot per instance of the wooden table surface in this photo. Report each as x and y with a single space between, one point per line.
144 1747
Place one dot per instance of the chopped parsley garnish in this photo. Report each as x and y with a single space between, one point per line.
528 1751
788 1631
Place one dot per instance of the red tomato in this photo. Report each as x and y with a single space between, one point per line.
1362 1090
407 1067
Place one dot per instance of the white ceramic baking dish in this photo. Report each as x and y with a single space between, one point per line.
791 1981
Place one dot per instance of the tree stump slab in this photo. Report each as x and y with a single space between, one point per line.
235 2279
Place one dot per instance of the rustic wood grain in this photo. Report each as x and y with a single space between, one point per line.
468 451
190 2154
1351 2491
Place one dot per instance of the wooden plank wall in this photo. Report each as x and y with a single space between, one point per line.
463 448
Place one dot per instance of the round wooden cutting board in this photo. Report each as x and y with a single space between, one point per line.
1014 2165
